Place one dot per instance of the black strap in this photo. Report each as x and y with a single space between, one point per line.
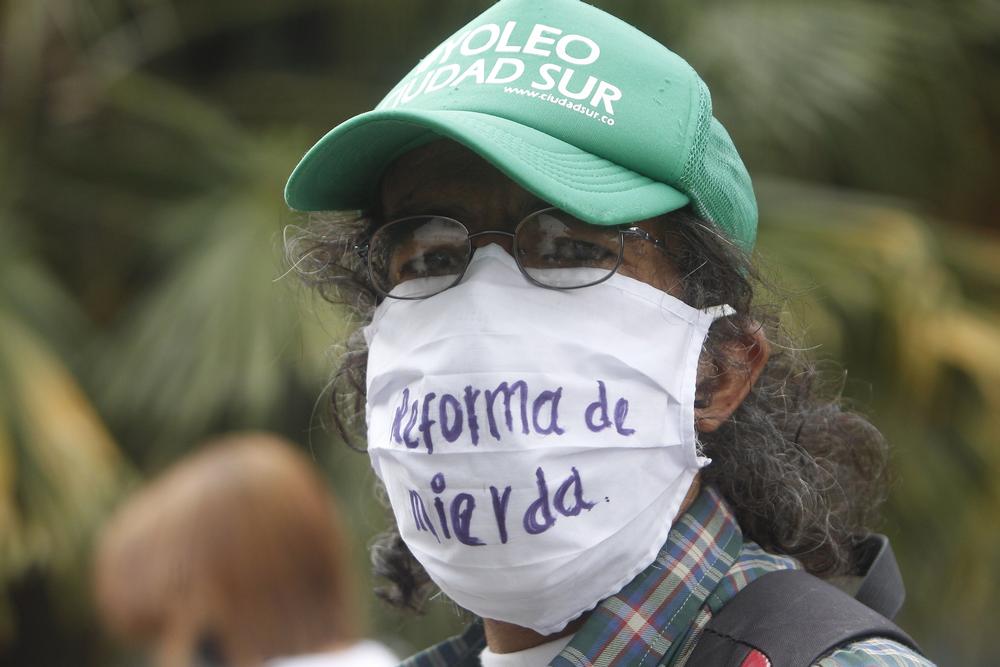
882 587
791 617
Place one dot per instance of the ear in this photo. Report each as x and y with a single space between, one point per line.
729 384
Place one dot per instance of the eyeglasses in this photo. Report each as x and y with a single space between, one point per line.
420 256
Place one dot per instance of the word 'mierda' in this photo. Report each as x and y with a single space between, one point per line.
508 409
455 517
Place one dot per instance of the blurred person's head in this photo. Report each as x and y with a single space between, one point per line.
234 555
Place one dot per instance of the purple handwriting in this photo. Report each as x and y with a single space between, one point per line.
414 421
509 409
599 409
454 517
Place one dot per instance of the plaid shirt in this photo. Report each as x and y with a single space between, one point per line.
659 616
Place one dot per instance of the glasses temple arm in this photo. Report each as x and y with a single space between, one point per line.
640 233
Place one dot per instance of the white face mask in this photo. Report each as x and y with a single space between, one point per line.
535 444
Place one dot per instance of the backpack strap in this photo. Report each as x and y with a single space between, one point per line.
882 586
788 618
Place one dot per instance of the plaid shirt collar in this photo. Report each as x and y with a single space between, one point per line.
645 623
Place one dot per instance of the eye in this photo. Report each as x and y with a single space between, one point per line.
439 261
577 252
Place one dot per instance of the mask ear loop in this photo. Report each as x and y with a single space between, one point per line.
708 316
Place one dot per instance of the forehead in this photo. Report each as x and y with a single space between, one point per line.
447 178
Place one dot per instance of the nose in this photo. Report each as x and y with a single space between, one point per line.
503 239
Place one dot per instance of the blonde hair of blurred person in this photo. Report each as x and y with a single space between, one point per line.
234 555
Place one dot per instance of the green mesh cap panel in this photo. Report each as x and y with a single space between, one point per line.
716 180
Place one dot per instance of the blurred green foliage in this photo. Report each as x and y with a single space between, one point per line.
143 306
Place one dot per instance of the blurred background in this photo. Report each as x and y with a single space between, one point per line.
144 145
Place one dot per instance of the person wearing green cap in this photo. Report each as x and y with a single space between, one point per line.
590 436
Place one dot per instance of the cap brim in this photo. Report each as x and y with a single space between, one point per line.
343 169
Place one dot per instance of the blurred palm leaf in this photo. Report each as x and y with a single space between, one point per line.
59 467
897 97
219 335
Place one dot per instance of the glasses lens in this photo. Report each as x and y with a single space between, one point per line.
414 258
557 250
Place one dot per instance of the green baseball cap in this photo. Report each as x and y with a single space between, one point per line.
576 106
